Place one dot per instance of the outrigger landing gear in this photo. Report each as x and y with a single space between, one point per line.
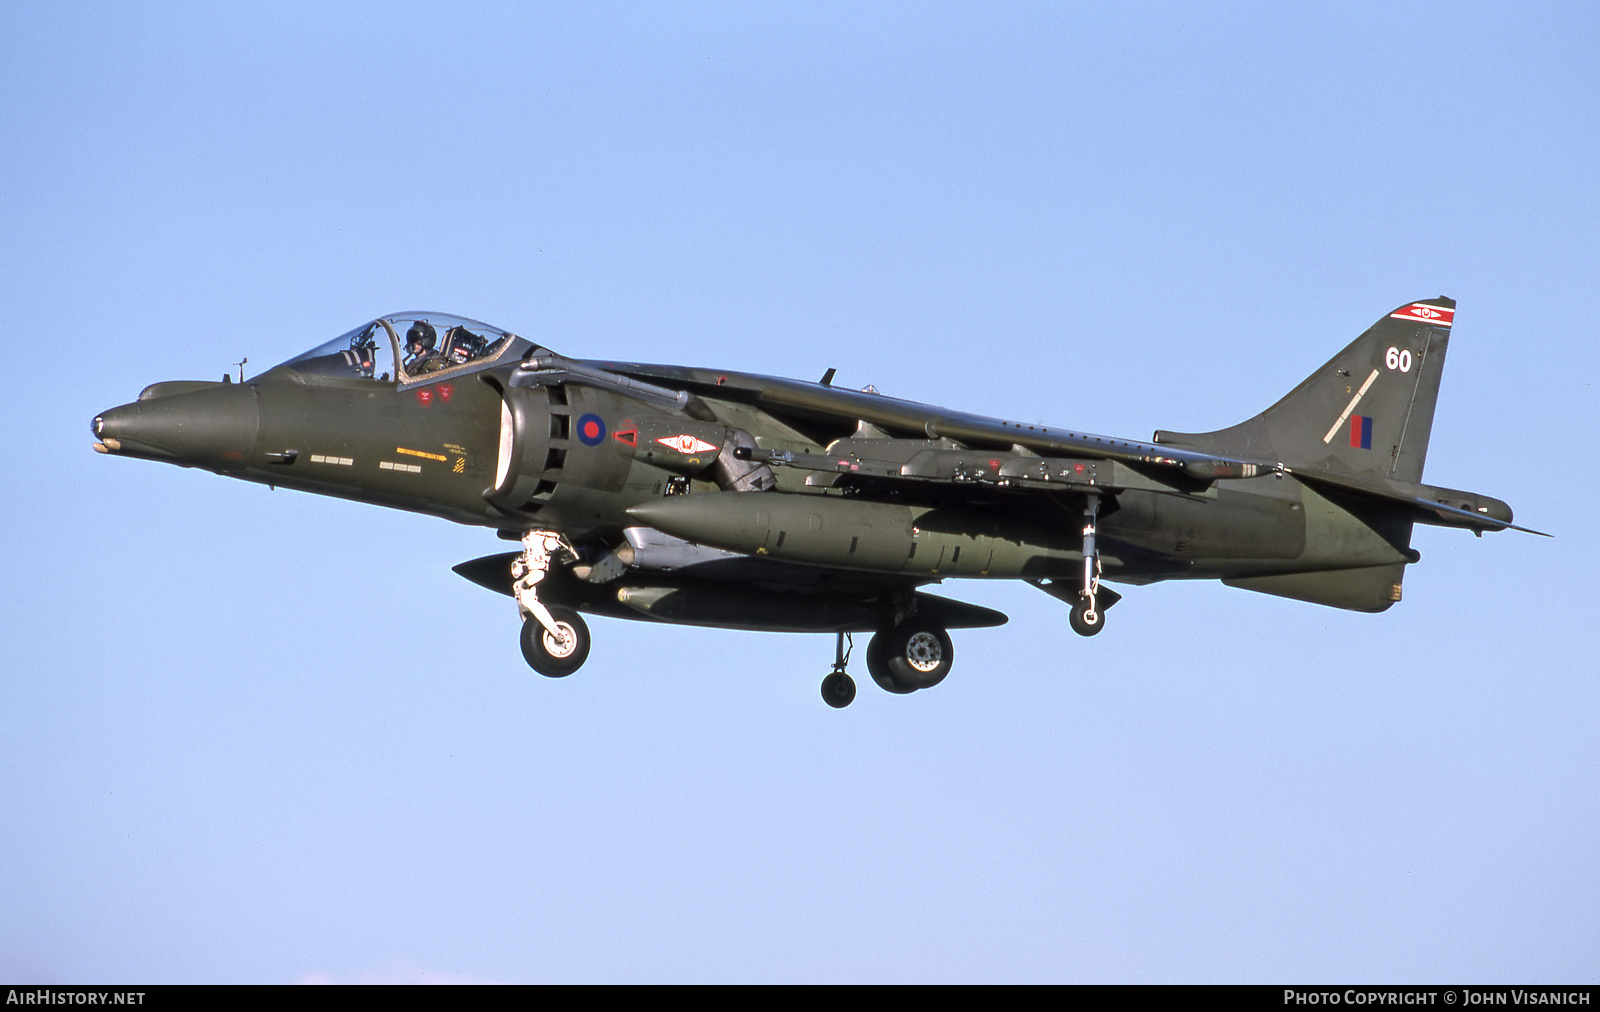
838 688
1087 619
555 640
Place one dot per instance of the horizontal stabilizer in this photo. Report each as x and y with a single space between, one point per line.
1441 507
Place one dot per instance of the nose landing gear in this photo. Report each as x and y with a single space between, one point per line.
555 640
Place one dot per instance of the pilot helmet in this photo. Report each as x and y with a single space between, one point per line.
422 335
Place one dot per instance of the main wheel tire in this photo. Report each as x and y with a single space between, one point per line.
878 665
552 656
918 655
1081 623
838 690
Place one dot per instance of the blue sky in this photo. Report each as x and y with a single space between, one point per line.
262 736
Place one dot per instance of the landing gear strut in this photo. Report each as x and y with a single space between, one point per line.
838 688
555 640
1086 618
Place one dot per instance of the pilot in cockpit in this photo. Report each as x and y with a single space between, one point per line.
421 349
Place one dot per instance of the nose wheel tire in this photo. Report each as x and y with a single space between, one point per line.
838 690
552 655
1082 622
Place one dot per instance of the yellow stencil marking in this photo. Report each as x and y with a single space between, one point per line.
419 453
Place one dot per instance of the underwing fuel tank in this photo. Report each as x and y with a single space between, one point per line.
857 534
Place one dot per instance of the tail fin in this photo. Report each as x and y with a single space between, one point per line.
1367 411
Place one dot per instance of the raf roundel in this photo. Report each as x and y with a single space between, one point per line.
591 430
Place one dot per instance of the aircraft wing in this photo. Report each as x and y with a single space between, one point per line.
890 442
910 420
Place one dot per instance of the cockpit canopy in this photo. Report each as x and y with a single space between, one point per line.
410 348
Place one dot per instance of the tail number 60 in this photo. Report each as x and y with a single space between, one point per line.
1395 358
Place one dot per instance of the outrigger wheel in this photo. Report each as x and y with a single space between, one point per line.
551 655
1084 621
1088 617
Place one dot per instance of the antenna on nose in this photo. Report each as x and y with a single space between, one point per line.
240 366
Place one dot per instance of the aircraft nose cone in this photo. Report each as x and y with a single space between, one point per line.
213 427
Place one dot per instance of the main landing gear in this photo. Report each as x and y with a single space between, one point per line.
902 659
555 640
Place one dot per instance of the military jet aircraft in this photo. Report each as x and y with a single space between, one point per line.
716 498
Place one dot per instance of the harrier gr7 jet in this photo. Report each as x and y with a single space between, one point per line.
704 497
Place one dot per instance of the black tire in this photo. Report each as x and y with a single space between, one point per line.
878 665
918 655
549 656
1080 621
838 690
